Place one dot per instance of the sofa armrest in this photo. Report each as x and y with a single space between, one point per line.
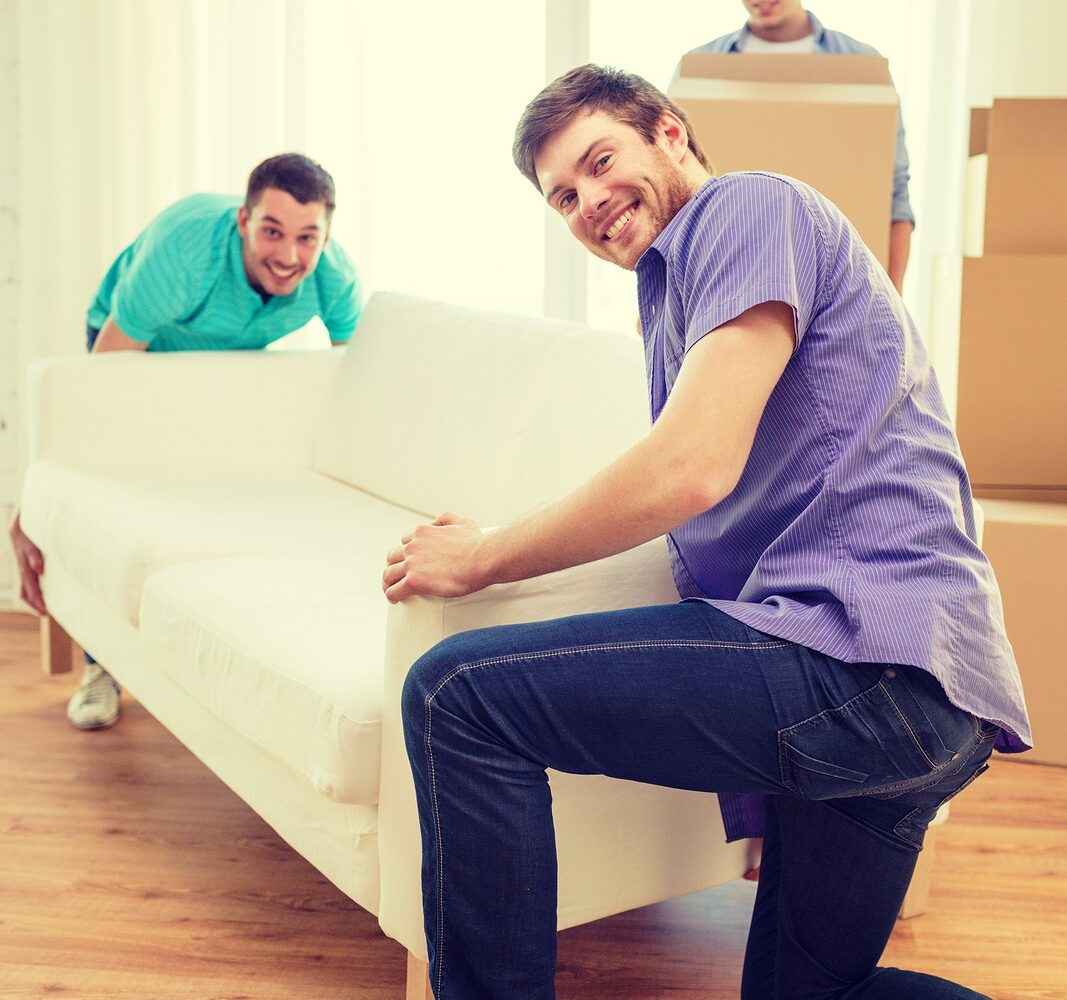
178 410
635 578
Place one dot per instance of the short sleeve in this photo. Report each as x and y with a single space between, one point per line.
342 316
154 291
757 241
341 297
901 209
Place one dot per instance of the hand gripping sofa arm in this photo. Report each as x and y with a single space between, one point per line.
178 410
632 579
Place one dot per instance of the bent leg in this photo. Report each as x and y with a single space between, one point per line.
830 889
674 695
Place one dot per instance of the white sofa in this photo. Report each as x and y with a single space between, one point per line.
214 529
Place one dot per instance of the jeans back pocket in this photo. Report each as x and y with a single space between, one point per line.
895 736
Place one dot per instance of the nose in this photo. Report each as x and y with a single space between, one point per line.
592 196
288 253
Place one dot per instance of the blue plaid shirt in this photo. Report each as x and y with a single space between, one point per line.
838 43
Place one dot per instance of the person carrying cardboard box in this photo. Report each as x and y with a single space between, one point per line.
213 273
838 666
784 27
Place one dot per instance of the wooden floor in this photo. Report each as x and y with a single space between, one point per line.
128 870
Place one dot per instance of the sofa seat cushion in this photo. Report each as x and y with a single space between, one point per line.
287 651
111 530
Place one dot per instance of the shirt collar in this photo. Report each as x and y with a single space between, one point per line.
662 243
734 41
237 263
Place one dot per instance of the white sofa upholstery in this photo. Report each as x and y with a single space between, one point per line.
214 529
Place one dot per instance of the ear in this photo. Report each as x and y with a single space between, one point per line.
673 138
242 221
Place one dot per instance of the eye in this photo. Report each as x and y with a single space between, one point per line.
272 232
309 240
602 163
565 201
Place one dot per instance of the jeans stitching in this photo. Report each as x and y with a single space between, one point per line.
602 648
514 658
937 773
440 852
902 824
846 706
895 791
785 773
908 727
926 715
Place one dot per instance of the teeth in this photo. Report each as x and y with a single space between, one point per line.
617 225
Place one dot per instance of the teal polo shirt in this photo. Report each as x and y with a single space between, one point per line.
181 286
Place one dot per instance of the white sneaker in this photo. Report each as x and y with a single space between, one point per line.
95 705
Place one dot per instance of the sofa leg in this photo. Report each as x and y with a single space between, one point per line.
917 898
418 979
56 648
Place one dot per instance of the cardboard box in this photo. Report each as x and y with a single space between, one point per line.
1027 545
1011 411
828 120
1038 494
979 143
1025 209
974 183
974 191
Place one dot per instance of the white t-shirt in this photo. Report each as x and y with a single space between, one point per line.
802 46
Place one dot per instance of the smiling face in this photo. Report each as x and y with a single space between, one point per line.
615 190
774 18
282 240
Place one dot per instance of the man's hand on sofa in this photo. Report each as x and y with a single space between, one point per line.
31 566
436 560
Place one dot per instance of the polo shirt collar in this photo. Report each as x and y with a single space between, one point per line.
238 274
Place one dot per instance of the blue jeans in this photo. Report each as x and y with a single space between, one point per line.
857 759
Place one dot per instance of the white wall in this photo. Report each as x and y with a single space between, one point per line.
1025 48
9 256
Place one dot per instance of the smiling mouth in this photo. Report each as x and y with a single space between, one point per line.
620 223
283 275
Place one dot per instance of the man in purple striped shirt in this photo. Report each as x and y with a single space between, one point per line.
838 667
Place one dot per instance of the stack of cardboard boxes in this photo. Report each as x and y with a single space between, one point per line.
1012 395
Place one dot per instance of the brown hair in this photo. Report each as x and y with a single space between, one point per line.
627 97
297 176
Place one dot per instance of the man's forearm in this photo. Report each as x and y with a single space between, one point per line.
640 496
691 459
899 249
111 338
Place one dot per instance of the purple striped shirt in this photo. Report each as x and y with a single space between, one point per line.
852 529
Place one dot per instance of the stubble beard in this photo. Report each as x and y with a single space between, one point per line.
672 194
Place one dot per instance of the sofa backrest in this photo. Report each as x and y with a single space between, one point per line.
443 408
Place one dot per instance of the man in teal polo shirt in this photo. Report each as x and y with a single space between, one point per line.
214 273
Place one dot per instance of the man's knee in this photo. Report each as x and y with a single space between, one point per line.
427 676
433 676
